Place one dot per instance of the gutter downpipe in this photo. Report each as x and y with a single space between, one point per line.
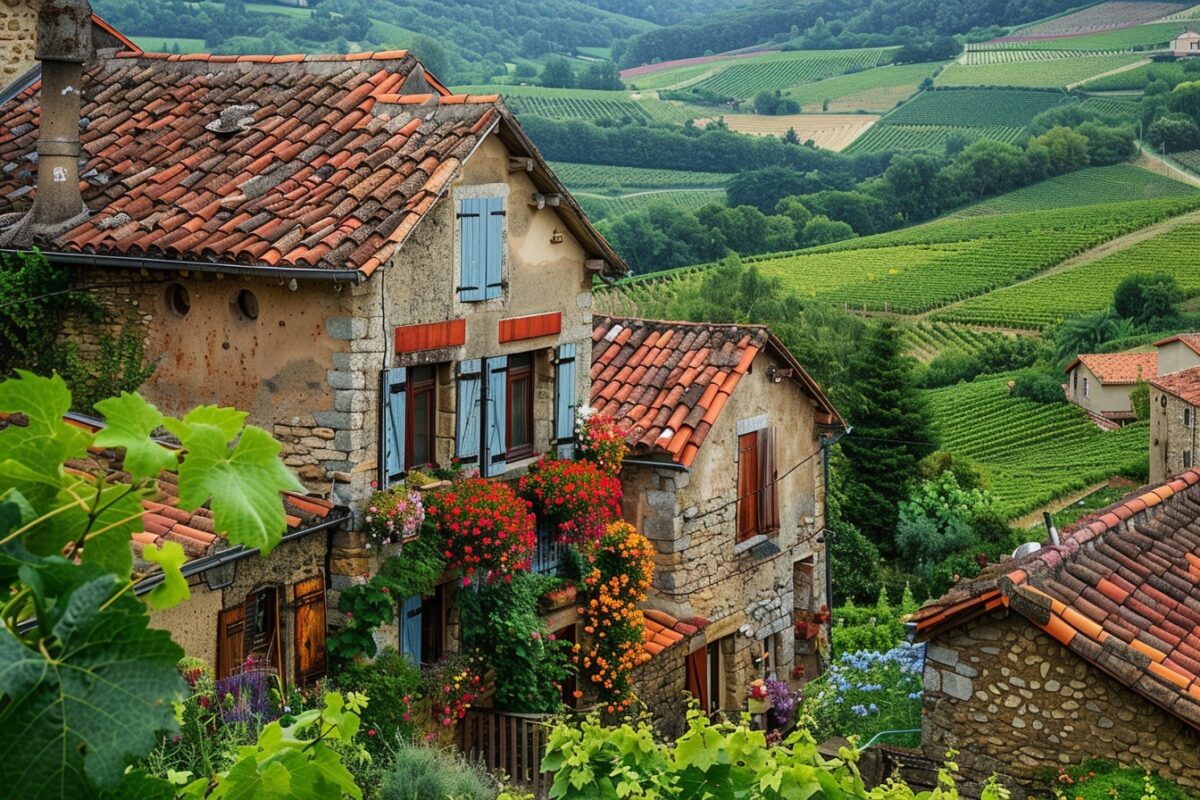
826 443
648 462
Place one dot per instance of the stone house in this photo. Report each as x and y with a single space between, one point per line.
381 272
1174 402
1101 383
1084 649
725 476
1186 44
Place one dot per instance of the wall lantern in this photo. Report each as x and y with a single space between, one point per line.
776 375
221 575
556 237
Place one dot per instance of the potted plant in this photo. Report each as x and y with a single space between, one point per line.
393 516
757 701
560 596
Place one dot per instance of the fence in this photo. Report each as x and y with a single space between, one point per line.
511 743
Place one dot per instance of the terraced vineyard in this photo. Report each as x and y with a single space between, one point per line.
596 177
1114 183
878 89
1190 159
1100 17
974 57
600 207
1142 36
1115 106
976 107
748 76
1035 74
924 340
898 138
576 107
1033 453
1085 288
921 268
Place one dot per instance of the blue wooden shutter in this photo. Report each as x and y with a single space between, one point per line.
392 422
496 419
468 412
410 628
472 251
564 401
493 209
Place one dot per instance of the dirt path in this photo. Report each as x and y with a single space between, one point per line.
1095 254
1156 163
1035 517
1116 71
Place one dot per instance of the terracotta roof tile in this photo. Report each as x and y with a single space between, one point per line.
1116 369
1184 384
315 121
663 630
1123 592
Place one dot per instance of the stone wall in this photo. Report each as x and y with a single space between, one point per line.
1170 439
1017 703
18 26
661 683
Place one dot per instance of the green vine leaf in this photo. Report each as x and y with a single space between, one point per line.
46 441
130 422
118 516
243 481
98 692
174 588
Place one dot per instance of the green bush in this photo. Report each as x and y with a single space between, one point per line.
878 627
417 772
866 692
1040 388
390 681
1098 779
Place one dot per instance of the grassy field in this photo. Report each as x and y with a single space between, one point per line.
747 76
1034 74
976 107
598 178
1085 288
878 89
1033 453
927 266
673 77
1115 183
165 44
601 207
830 131
887 136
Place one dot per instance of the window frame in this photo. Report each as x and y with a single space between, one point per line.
418 386
757 491
747 495
518 371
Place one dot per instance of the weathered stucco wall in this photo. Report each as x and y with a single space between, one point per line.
1176 356
1017 703
193 623
18 24
1099 399
1170 438
691 518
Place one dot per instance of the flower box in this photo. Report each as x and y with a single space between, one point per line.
559 598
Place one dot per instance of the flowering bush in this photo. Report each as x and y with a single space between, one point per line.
485 528
393 515
452 685
867 692
599 440
575 495
783 702
619 582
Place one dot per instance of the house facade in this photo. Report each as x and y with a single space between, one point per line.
1174 402
1085 649
1101 383
725 477
1186 44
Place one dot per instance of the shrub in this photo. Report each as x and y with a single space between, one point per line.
1099 779
879 627
854 564
421 773
1039 387
599 440
866 692
391 683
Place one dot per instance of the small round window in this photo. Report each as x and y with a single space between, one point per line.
179 302
245 304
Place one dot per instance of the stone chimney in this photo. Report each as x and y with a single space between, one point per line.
64 45
18 26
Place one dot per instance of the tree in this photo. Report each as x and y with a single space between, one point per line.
915 192
1067 150
862 212
557 73
1185 99
1173 133
794 209
764 188
1108 144
1147 296
822 230
766 102
432 54
891 433
601 75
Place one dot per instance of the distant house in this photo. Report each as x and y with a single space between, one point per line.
1178 352
1186 44
1174 402
1101 383
725 477
1085 649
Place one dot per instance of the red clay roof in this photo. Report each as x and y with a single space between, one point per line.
1192 340
163 520
1184 384
666 383
1122 591
1116 369
663 630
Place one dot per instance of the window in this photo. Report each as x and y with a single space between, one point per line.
519 428
421 416
1085 387
245 306
757 495
1187 459
548 550
481 244
423 627
249 630
1075 382
1187 418
179 302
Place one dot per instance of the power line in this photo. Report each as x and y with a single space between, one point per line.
80 290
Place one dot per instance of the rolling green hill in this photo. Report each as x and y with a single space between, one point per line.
1115 183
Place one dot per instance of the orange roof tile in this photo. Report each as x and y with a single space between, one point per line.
1115 369
1120 591
663 630
1184 384
665 383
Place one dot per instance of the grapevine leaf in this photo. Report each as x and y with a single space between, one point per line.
119 517
95 695
137 785
130 421
228 420
46 441
243 483
174 588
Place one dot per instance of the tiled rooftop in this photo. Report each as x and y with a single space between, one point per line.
323 162
1114 369
163 520
1192 340
663 630
666 383
1121 591
1184 384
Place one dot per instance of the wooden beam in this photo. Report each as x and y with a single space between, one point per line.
520 164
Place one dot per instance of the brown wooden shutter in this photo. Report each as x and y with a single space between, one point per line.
697 677
231 632
768 496
309 629
747 486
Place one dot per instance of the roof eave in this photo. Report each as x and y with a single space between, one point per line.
173 265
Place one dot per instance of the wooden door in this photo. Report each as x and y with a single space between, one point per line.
697 677
231 633
309 629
